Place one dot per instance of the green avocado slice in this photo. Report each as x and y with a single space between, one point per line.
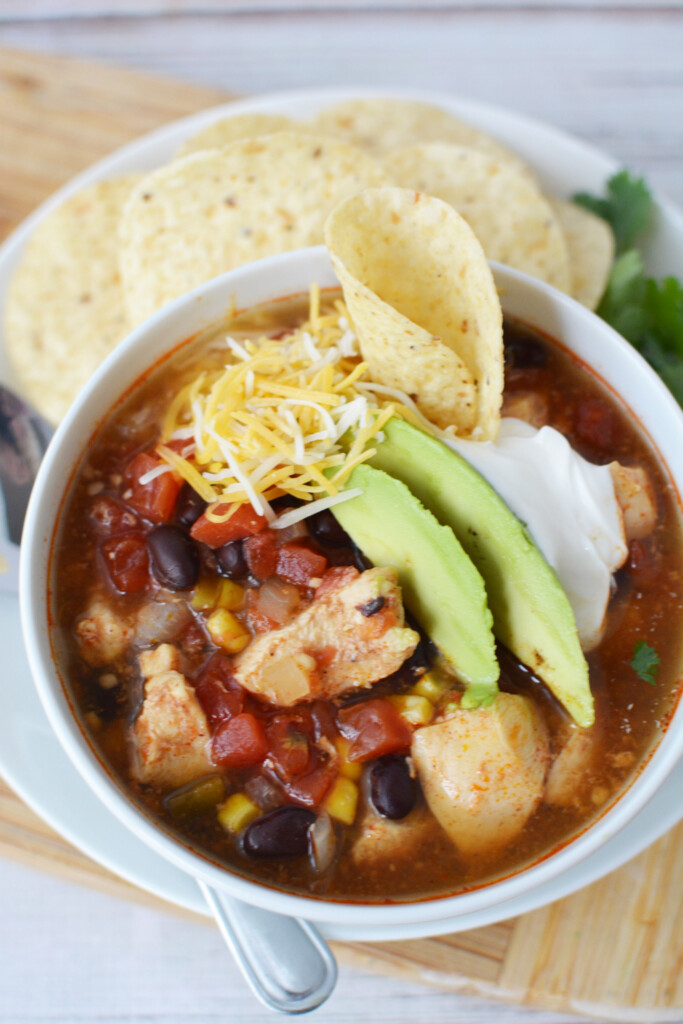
441 586
532 615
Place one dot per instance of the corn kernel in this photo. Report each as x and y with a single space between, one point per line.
205 594
212 592
237 812
230 595
226 631
349 769
414 709
430 686
342 800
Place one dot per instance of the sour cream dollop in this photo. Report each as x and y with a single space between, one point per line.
568 505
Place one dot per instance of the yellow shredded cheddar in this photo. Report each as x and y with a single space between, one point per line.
283 416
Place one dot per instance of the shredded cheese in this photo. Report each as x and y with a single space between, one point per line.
292 415
147 478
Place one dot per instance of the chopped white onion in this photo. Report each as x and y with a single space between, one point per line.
297 531
278 600
263 792
323 842
161 621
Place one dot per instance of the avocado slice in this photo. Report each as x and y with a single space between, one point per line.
441 586
532 615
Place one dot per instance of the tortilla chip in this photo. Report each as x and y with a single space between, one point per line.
511 218
424 304
64 312
381 124
590 242
218 209
232 129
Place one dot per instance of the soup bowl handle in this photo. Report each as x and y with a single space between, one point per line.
286 962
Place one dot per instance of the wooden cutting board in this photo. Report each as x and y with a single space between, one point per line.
614 950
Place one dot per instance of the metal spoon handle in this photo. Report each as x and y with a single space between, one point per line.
24 436
288 965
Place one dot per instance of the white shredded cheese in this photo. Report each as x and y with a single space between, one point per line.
270 421
295 515
237 349
152 474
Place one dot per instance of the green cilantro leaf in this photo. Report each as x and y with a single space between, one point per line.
626 208
645 662
622 305
647 312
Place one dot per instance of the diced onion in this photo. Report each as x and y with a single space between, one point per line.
263 792
161 621
323 842
297 531
278 600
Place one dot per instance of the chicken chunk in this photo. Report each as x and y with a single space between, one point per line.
380 840
482 771
530 406
170 733
570 771
103 635
348 638
636 499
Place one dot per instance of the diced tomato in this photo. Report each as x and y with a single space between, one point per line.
261 554
298 563
245 522
310 789
157 499
289 749
324 722
220 695
374 728
595 424
110 517
239 742
127 561
336 577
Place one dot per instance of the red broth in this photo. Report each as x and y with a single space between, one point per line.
294 757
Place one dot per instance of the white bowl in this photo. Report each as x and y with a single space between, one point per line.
523 298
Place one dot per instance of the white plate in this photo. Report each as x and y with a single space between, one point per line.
31 759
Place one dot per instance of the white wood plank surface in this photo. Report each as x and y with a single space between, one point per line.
71 956
611 73
614 78
21 10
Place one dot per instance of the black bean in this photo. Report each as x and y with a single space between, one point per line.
393 790
327 530
175 557
189 508
280 833
230 560
525 353
359 560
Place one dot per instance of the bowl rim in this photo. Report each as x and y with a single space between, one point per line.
36 559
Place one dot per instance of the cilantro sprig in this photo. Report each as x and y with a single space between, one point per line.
645 662
627 208
647 312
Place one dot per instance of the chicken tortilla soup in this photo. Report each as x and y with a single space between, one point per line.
358 639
